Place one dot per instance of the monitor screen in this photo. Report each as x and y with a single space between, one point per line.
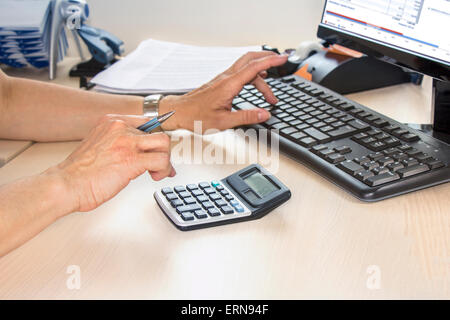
417 27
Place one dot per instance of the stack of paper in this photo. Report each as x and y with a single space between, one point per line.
166 67
25 33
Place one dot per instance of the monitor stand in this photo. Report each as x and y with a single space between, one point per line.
440 129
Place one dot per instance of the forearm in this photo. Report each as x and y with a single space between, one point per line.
28 206
40 111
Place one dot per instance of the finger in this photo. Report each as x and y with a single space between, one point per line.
263 74
245 117
157 163
131 120
159 142
249 56
253 68
264 88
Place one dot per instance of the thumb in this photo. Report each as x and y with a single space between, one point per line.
243 117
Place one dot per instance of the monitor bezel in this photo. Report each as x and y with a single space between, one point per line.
383 51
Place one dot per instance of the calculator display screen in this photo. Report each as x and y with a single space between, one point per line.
261 185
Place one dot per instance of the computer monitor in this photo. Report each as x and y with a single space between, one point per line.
409 33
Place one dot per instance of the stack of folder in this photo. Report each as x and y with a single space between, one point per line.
25 33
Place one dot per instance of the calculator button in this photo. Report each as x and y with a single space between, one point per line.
189 200
184 194
166 191
176 203
191 187
207 204
213 212
188 208
215 184
239 208
221 203
229 197
197 193
219 187
187 216
171 196
179 189
203 185
209 190
200 214
214 196
234 203
227 209
202 198
224 192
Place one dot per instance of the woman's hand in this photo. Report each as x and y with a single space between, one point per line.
211 103
113 154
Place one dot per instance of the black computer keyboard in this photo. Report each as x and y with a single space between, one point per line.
366 153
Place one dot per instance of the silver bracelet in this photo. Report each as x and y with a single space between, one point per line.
151 105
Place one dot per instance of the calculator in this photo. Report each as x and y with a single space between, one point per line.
248 194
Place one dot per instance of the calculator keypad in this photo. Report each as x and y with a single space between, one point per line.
200 203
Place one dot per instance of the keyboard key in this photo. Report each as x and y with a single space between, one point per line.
343 149
434 164
410 162
395 166
335 158
413 170
380 170
200 214
307 142
325 153
318 148
298 135
410 137
381 179
385 161
227 209
364 175
246 105
361 126
350 167
289 130
342 132
316 134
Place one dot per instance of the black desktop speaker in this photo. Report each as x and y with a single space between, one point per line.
346 75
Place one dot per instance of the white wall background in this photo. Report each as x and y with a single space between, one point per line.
282 23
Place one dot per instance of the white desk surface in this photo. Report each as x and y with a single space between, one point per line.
322 243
